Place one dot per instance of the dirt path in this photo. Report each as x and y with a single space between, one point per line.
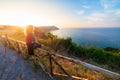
14 67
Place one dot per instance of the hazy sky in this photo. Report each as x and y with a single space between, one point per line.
61 13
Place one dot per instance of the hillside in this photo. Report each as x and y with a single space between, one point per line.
46 28
11 30
68 48
40 28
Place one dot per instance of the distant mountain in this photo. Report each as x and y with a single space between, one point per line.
38 28
46 28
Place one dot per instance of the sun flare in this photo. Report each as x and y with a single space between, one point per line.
24 19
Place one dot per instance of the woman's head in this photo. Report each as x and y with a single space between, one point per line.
29 29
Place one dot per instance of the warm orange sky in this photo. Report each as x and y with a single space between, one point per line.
61 13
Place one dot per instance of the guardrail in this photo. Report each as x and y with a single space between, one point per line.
20 47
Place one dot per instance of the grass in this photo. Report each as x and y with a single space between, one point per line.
74 69
67 47
97 55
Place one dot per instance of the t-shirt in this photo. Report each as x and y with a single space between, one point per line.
30 38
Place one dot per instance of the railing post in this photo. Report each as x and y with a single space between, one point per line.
18 47
7 41
51 69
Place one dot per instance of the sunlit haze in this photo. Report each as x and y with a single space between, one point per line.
61 13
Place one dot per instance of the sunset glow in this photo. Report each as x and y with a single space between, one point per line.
61 13
24 19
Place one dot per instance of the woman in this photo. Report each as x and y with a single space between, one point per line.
30 39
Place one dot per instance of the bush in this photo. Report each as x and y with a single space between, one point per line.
98 55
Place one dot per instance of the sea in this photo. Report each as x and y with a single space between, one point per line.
97 37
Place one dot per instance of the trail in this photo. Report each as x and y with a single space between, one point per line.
14 67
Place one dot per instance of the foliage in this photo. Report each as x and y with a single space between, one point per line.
112 49
67 46
98 55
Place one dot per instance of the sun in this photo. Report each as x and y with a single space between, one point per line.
23 19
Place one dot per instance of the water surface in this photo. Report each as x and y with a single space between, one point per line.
98 37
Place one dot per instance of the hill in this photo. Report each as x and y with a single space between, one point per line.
97 56
46 28
40 28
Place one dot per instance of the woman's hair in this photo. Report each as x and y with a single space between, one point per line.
28 29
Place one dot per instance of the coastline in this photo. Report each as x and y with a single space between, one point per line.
97 37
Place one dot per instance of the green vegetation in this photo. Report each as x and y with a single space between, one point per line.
98 55
72 68
109 59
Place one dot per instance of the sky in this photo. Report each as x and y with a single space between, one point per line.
61 13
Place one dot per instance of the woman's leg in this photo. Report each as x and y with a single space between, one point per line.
30 49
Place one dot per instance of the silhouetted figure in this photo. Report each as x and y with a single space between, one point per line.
30 40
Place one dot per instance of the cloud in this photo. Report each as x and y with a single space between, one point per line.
117 12
86 6
104 19
109 16
96 17
80 12
108 4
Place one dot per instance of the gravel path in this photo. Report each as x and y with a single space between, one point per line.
14 67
